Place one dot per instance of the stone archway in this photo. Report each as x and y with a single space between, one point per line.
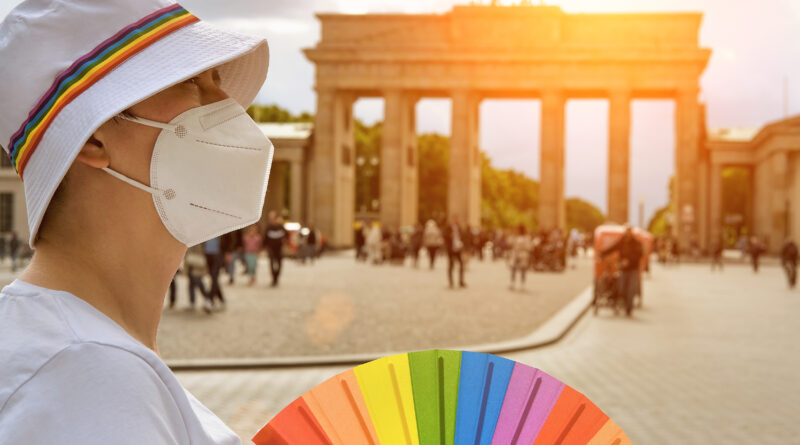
476 52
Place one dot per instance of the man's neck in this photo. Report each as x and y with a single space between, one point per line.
125 281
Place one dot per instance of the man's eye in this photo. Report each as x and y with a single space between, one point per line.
192 81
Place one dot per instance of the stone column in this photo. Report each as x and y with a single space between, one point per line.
552 213
464 189
332 168
779 198
687 140
296 191
715 180
398 188
619 120
276 190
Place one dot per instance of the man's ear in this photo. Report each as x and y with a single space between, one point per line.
94 154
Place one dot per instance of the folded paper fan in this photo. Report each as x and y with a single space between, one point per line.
441 397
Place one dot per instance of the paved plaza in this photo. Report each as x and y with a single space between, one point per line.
339 306
710 359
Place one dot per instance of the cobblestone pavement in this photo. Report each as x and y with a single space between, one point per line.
710 359
338 306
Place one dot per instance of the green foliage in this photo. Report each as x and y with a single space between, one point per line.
368 169
659 223
274 113
583 216
434 160
508 198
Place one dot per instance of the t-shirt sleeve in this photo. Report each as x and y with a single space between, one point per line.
92 394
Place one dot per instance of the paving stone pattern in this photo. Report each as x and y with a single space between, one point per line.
338 306
710 359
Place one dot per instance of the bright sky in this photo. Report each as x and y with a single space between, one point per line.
756 45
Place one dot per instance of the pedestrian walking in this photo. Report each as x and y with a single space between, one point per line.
630 255
195 265
117 114
274 237
311 244
13 250
215 260
519 256
453 241
716 256
233 251
789 261
415 243
756 249
374 244
252 247
360 236
432 240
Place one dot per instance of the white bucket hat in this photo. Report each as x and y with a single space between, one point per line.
68 66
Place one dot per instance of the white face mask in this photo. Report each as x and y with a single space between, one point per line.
209 171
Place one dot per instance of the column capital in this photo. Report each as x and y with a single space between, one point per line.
551 94
619 94
688 94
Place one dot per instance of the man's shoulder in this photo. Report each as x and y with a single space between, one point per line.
88 390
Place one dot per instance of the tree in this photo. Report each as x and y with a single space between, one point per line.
659 224
368 169
583 216
274 113
509 198
434 161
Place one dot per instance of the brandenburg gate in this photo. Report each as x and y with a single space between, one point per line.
477 52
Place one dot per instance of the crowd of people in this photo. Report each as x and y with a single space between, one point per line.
422 244
244 247
458 243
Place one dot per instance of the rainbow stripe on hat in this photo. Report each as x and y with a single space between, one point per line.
87 70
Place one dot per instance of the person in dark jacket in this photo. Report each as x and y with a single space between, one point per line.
756 249
415 243
454 243
630 255
789 261
274 236
716 256
233 250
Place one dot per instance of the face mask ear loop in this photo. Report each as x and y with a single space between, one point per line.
130 181
149 123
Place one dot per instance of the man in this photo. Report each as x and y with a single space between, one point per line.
233 251
274 237
215 260
114 114
454 244
756 249
716 255
789 261
630 255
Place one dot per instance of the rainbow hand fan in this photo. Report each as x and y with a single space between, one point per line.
441 397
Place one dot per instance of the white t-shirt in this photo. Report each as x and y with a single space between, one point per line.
71 375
